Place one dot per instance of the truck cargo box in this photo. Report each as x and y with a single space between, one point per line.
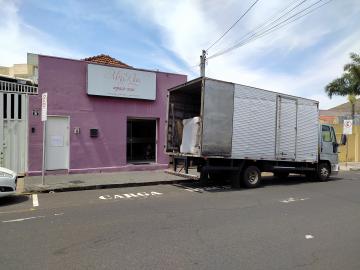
243 122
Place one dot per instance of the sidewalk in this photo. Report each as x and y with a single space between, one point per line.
71 182
351 166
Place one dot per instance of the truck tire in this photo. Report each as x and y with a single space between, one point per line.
251 177
281 175
323 172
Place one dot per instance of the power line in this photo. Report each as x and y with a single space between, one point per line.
267 31
263 27
273 19
295 19
232 26
279 17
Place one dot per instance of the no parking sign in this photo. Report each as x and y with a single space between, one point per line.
347 129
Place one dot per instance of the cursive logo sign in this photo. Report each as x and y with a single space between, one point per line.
125 81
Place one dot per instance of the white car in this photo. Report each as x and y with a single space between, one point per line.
8 180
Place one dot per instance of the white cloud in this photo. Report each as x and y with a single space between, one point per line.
189 26
18 38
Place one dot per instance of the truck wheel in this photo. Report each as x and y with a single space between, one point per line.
251 177
323 172
281 175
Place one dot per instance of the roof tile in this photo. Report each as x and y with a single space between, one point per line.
106 60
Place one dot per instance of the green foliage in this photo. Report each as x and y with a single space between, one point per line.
349 83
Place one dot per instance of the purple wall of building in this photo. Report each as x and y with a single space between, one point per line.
65 82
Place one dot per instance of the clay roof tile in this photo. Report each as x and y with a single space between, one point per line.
106 60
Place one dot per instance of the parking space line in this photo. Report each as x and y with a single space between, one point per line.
22 219
35 200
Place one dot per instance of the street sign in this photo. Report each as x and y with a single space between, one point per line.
347 129
44 107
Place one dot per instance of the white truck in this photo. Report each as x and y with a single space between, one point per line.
237 131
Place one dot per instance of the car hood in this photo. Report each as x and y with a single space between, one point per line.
2 169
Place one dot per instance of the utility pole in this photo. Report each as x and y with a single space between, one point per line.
202 63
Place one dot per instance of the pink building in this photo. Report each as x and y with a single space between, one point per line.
102 116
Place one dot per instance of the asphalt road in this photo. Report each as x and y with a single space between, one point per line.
286 224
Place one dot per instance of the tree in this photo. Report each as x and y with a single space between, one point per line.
348 84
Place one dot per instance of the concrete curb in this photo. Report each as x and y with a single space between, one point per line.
49 189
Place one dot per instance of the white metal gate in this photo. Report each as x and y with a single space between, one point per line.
13 120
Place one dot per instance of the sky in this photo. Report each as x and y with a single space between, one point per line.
298 59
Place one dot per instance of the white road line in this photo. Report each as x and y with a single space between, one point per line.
58 214
22 219
35 200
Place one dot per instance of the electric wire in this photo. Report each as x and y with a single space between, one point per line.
232 26
272 21
263 27
269 21
277 16
267 31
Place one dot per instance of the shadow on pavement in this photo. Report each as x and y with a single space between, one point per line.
225 186
292 180
13 199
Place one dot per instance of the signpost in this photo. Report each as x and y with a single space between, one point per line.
43 119
347 130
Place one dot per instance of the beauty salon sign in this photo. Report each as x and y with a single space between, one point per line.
120 82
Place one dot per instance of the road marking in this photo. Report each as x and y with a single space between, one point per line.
309 236
58 214
35 200
18 211
290 200
130 195
22 219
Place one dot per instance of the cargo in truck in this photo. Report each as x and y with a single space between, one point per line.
232 129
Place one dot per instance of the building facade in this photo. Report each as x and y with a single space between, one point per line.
102 115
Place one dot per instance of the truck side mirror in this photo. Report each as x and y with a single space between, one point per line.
343 139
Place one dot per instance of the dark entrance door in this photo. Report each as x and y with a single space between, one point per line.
141 141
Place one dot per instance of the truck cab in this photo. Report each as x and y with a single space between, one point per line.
328 150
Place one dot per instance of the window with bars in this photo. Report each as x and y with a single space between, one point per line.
12 106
